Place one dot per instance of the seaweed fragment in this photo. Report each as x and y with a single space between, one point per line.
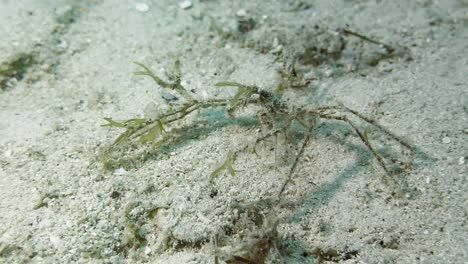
16 69
227 165
176 85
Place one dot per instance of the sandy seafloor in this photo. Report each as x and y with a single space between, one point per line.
58 205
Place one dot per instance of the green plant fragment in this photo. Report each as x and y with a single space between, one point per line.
176 85
134 122
16 68
244 92
149 73
131 125
153 133
227 165
113 123
223 84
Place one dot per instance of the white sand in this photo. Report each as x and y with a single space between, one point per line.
58 206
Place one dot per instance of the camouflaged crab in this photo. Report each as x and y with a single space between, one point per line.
159 132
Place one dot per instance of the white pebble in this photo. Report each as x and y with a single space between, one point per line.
241 13
446 140
275 42
7 153
45 67
141 7
120 172
185 4
55 241
461 161
277 49
62 45
147 250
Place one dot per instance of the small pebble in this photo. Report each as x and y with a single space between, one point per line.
45 67
461 161
169 97
277 49
275 42
446 140
328 72
241 13
120 172
141 7
185 4
385 67
147 250
62 45
7 153
55 241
